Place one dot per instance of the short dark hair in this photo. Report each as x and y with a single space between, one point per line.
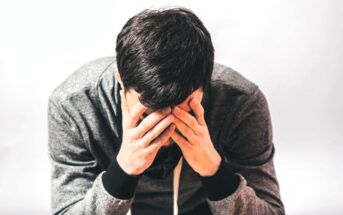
164 54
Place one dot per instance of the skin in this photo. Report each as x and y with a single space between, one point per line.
177 124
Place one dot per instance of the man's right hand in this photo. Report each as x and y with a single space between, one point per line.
142 141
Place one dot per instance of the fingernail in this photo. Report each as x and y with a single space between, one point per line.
166 110
176 110
171 118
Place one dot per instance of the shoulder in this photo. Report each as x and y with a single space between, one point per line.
238 110
226 78
231 95
86 77
230 90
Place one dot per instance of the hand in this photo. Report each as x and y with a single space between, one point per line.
195 141
141 142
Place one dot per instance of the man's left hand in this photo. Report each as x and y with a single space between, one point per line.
195 141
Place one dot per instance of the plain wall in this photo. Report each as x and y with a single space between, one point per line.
292 49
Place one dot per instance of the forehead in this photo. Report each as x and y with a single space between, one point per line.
183 105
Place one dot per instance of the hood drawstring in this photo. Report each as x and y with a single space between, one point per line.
176 180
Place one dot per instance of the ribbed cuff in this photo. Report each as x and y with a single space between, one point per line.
222 184
118 183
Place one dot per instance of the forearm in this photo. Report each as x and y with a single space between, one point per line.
112 192
244 201
221 184
228 193
98 201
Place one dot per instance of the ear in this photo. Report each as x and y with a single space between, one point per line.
118 78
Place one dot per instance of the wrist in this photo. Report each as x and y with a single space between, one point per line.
118 183
124 167
222 184
212 166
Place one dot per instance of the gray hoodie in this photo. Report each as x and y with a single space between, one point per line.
84 137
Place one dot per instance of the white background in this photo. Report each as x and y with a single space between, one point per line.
292 49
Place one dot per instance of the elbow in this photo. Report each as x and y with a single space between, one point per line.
279 210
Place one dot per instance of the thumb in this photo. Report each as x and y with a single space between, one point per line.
124 107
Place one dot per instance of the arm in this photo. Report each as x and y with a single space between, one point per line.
76 181
250 152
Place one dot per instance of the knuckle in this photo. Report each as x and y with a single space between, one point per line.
164 123
134 133
186 132
193 123
158 117
155 145
171 130
150 136
146 156
163 137
159 127
142 125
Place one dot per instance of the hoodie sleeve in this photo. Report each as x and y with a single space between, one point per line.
250 151
76 180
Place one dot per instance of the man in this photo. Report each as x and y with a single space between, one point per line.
161 129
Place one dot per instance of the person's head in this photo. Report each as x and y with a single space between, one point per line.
164 58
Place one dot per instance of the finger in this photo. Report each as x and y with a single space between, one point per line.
157 130
165 136
159 142
187 118
185 130
181 142
135 114
150 121
198 111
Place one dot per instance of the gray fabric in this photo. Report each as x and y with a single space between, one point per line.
84 137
